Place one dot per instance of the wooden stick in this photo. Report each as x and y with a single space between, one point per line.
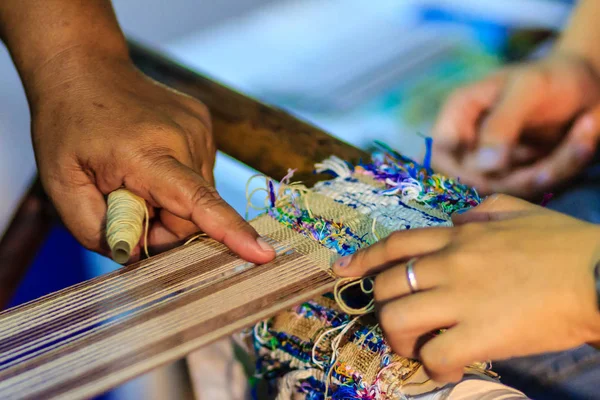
262 136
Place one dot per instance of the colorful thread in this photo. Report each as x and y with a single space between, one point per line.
392 192
428 188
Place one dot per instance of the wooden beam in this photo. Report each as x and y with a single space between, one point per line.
264 137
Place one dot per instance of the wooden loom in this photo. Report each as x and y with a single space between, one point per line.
176 297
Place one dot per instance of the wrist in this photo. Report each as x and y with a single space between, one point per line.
68 71
52 41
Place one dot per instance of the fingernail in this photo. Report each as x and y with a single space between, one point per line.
343 262
543 178
489 157
264 245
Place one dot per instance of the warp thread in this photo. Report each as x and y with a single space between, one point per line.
125 216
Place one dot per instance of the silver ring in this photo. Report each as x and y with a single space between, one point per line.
410 275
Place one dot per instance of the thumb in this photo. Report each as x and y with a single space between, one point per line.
502 127
185 194
495 208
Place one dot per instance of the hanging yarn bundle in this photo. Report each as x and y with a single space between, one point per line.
332 347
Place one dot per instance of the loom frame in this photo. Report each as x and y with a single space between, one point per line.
244 128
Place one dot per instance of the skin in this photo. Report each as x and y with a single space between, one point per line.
509 279
529 128
99 124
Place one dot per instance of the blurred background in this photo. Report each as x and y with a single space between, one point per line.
361 70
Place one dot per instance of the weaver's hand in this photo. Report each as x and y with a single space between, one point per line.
523 130
511 279
105 126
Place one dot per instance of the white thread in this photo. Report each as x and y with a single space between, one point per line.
335 343
260 189
321 337
125 216
345 283
335 164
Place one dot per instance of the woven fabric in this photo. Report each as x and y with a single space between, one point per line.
316 348
386 210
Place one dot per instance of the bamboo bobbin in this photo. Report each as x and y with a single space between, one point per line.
124 223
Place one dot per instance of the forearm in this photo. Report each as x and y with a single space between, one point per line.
582 34
53 40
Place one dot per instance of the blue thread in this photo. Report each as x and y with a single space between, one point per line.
428 151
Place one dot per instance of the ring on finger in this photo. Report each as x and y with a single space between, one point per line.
410 275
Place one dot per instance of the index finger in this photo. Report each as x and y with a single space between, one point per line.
181 191
458 121
399 246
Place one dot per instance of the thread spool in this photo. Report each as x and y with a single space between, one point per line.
125 216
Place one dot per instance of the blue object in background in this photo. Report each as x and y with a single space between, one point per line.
62 262
58 264
491 35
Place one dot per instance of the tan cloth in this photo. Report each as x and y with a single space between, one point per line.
216 374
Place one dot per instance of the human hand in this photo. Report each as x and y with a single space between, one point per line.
510 279
522 131
104 125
